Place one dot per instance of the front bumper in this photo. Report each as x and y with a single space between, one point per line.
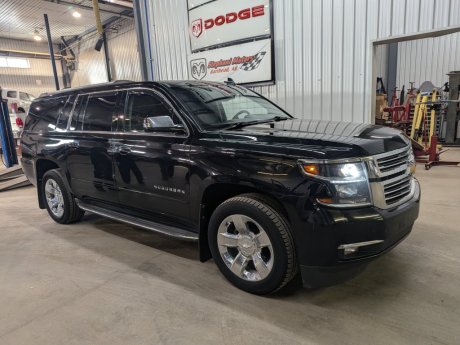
323 250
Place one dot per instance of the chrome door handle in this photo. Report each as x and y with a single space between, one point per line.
124 150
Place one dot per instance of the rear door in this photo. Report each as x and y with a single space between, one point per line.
152 169
90 160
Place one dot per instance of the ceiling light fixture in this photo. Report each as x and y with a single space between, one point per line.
76 14
37 36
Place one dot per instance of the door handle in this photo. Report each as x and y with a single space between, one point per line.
124 150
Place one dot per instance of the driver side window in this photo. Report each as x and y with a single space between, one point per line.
142 105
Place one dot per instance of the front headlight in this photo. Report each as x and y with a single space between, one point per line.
346 184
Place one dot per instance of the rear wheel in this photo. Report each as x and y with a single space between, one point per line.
252 245
59 200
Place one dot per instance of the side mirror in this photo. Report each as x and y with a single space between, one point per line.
162 123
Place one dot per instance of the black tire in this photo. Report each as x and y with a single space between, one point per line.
72 213
274 224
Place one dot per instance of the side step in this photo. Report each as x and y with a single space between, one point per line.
142 223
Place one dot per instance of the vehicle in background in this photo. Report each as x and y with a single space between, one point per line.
18 106
21 98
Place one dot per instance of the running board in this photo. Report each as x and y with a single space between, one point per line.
142 223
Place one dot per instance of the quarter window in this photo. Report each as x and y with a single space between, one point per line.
143 104
43 114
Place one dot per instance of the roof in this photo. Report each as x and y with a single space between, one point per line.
120 84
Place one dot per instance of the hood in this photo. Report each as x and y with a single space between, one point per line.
315 139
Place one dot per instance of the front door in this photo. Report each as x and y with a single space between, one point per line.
90 158
151 168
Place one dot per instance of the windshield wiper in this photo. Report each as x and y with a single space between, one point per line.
256 122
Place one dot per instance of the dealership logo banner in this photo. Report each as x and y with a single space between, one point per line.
222 22
244 63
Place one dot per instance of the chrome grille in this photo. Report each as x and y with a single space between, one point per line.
397 190
393 182
393 161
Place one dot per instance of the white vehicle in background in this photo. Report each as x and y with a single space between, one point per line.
18 107
22 99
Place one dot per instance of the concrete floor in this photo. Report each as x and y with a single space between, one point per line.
102 282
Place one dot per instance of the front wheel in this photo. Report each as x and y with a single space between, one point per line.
59 201
251 244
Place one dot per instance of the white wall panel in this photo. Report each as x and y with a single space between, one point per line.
428 59
123 52
90 63
36 79
322 48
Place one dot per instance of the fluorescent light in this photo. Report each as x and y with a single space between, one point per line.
76 14
37 38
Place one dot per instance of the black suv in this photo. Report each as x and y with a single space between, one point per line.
263 193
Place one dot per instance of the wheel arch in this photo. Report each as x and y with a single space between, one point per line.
217 193
42 165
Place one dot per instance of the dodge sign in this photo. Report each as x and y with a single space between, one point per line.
221 22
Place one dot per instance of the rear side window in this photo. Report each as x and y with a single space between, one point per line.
43 114
100 112
11 94
63 119
78 112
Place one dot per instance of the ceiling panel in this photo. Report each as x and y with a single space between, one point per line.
20 18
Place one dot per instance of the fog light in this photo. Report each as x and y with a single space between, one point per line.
350 250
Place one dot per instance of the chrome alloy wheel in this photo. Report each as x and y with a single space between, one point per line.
54 198
245 247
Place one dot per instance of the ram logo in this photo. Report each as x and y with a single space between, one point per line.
197 27
199 68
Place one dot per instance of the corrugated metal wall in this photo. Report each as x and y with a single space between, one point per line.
123 51
34 80
428 59
322 48
90 63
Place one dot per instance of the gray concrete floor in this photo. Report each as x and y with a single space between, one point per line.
102 282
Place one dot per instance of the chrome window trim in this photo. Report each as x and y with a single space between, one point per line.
162 134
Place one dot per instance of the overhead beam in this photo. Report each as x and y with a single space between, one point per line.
417 36
89 8
105 23
117 3
28 54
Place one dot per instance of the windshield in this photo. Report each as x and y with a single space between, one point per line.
216 106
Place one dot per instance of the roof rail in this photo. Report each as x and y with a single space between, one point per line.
118 81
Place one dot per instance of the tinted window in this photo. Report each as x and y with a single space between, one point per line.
100 112
63 119
11 94
43 114
143 104
23 96
77 115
